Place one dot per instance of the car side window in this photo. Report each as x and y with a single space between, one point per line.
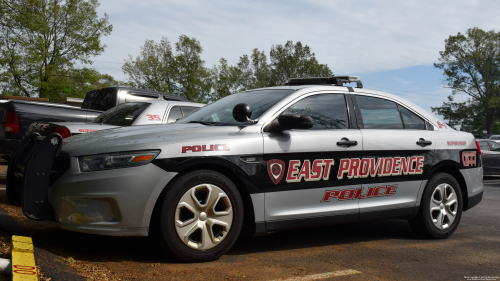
328 111
175 113
187 110
411 120
494 145
484 145
379 113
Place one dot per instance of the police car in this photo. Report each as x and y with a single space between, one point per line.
137 113
310 153
127 114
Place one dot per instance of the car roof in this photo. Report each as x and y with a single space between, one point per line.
180 103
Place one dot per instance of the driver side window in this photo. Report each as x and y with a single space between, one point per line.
327 111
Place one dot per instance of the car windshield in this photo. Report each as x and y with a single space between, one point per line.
495 138
123 114
221 112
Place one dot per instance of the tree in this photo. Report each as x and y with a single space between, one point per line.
224 81
77 82
181 72
466 114
192 76
154 68
261 70
295 61
471 65
41 38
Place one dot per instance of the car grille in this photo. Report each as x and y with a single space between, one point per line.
60 166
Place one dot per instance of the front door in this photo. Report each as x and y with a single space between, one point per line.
301 182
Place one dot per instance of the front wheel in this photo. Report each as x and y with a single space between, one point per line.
440 209
201 216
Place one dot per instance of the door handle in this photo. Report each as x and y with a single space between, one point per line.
347 142
422 142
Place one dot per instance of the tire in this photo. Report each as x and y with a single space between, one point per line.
440 209
201 230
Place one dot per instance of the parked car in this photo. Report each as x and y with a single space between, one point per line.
308 154
479 137
123 115
490 158
127 114
494 137
17 115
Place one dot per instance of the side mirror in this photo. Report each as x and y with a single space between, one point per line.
242 112
290 121
295 121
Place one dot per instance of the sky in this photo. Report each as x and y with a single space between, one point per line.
391 45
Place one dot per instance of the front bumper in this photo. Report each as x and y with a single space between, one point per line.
116 202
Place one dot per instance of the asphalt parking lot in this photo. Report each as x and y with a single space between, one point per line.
381 250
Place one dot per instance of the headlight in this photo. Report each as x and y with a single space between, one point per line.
116 160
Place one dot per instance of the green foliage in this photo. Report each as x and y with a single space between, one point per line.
466 114
154 68
286 61
295 61
192 77
161 69
40 40
471 65
77 82
182 71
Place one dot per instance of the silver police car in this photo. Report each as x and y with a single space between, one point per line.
310 153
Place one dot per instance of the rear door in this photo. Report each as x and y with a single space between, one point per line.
398 151
300 180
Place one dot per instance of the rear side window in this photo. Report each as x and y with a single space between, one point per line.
411 120
100 99
123 114
379 113
484 145
328 111
175 113
187 110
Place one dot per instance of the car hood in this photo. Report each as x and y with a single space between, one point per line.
167 137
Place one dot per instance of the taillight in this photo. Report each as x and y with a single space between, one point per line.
63 131
12 122
478 148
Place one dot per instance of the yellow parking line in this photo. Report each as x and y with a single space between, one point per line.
324 275
23 259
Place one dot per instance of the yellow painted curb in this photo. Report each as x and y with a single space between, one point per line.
23 259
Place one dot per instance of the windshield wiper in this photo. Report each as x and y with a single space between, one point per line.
203 122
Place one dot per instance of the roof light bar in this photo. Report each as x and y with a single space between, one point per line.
333 80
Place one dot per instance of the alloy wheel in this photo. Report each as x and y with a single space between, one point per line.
443 206
203 216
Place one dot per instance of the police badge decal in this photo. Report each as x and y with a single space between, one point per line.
276 170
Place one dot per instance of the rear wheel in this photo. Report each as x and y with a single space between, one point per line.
200 217
441 208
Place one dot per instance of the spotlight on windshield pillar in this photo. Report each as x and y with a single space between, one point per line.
242 112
